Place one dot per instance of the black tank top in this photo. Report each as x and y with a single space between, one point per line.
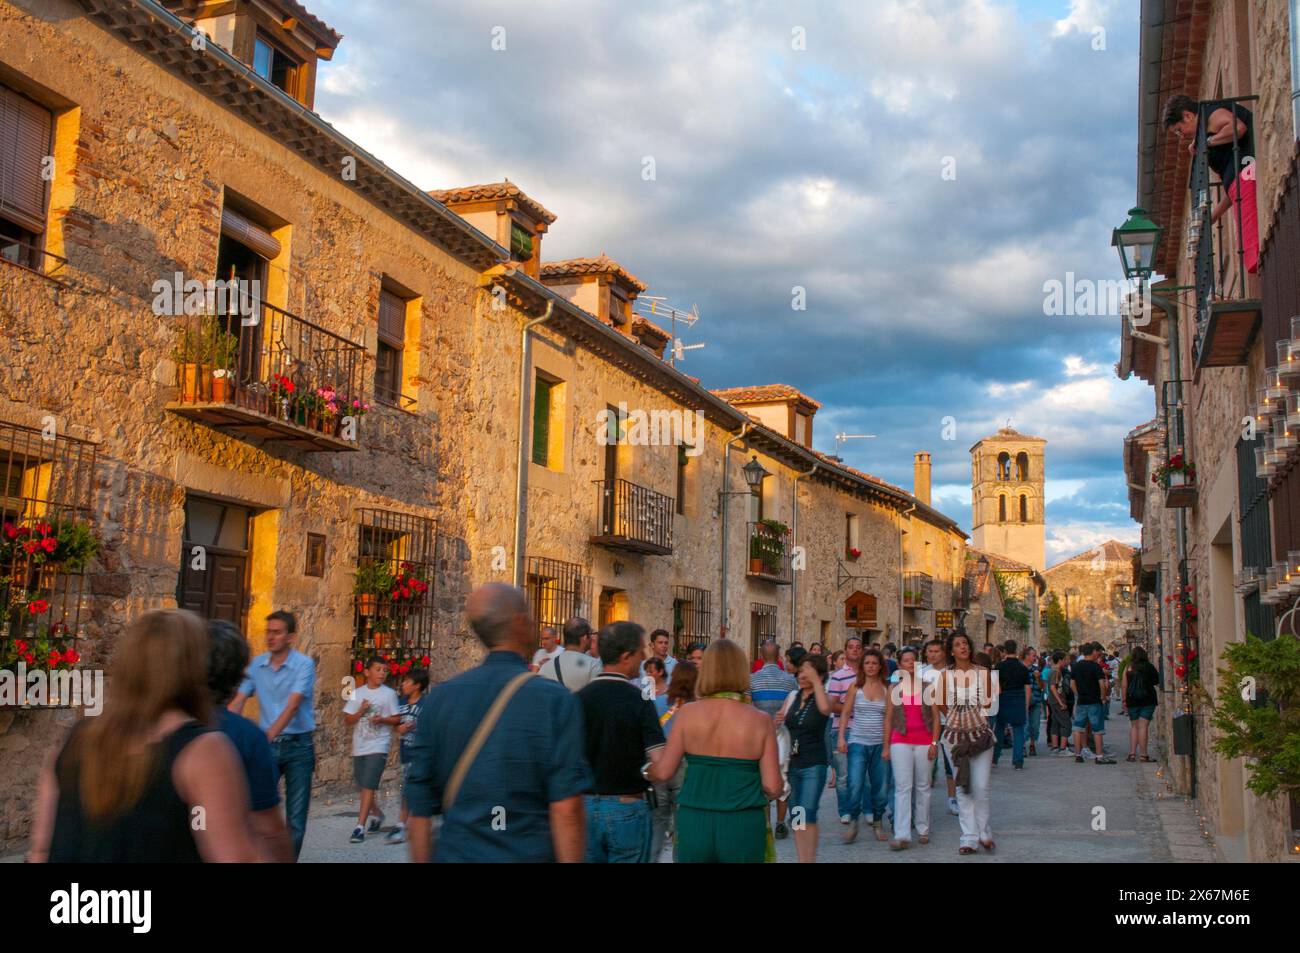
156 829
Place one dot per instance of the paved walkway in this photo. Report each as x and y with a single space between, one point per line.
1042 814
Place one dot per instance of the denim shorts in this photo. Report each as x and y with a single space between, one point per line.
1083 714
1141 711
806 786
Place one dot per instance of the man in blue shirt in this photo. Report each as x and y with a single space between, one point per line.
284 681
521 797
227 660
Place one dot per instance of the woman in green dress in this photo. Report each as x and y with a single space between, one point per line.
731 765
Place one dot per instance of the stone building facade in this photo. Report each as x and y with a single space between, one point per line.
217 454
1209 349
1095 590
1008 512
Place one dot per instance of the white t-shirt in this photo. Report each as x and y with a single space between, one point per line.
366 737
541 655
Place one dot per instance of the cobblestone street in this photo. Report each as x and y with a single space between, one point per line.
1043 814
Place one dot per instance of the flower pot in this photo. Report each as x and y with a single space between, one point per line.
190 383
756 567
1177 478
366 604
221 387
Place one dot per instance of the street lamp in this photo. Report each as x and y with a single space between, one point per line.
1136 240
754 473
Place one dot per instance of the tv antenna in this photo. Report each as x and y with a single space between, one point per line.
841 438
659 308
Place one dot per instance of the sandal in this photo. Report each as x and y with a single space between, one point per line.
988 845
1131 758
1147 760
965 850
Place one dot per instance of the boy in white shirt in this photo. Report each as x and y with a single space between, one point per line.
371 712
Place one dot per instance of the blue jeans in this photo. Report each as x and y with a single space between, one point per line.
1035 721
841 764
806 786
1011 713
868 781
295 760
618 832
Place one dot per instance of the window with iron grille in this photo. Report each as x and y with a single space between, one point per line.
1256 544
692 617
393 589
1122 596
557 591
762 625
46 542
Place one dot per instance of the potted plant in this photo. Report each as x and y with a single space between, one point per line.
281 390
755 555
224 348
76 545
1177 472
854 552
381 627
207 349
370 581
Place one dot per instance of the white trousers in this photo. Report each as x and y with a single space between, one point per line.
911 777
973 803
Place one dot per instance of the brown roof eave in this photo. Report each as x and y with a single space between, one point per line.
164 38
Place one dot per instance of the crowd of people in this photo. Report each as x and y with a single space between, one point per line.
598 746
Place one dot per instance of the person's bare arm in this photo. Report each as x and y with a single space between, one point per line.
845 708
350 718
237 703
210 779
568 830
47 804
271 836
888 723
769 768
823 700
1223 126
664 767
286 716
419 831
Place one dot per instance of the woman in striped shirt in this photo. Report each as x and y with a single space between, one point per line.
864 743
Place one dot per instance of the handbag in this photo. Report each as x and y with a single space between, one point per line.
478 739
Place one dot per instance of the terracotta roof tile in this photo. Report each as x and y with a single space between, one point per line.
313 21
1114 551
640 326
762 394
602 264
493 190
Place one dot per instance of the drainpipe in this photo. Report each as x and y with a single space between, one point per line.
902 566
521 472
794 529
723 497
1180 519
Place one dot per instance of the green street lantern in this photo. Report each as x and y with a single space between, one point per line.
1136 240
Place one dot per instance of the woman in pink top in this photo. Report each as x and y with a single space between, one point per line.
913 726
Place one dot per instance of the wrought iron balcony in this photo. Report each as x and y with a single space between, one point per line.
769 553
280 378
1228 310
633 518
918 591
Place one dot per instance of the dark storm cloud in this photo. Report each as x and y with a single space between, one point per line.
818 168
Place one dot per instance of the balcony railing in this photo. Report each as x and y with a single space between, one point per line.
1228 312
633 518
279 377
769 553
29 256
918 591
1180 491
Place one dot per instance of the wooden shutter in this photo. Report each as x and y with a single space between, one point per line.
26 128
541 422
392 319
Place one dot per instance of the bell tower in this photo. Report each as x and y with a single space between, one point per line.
1007 497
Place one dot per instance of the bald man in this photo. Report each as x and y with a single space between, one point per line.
520 799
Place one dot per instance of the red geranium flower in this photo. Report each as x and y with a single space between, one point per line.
357 666
29 658
56 657
38 607
72 656
424 661
49 544
11 530
43 528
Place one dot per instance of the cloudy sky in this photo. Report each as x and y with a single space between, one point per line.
919 167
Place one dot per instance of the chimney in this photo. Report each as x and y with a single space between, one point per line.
921 478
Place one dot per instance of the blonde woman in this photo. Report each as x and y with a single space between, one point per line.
125 787
732 769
